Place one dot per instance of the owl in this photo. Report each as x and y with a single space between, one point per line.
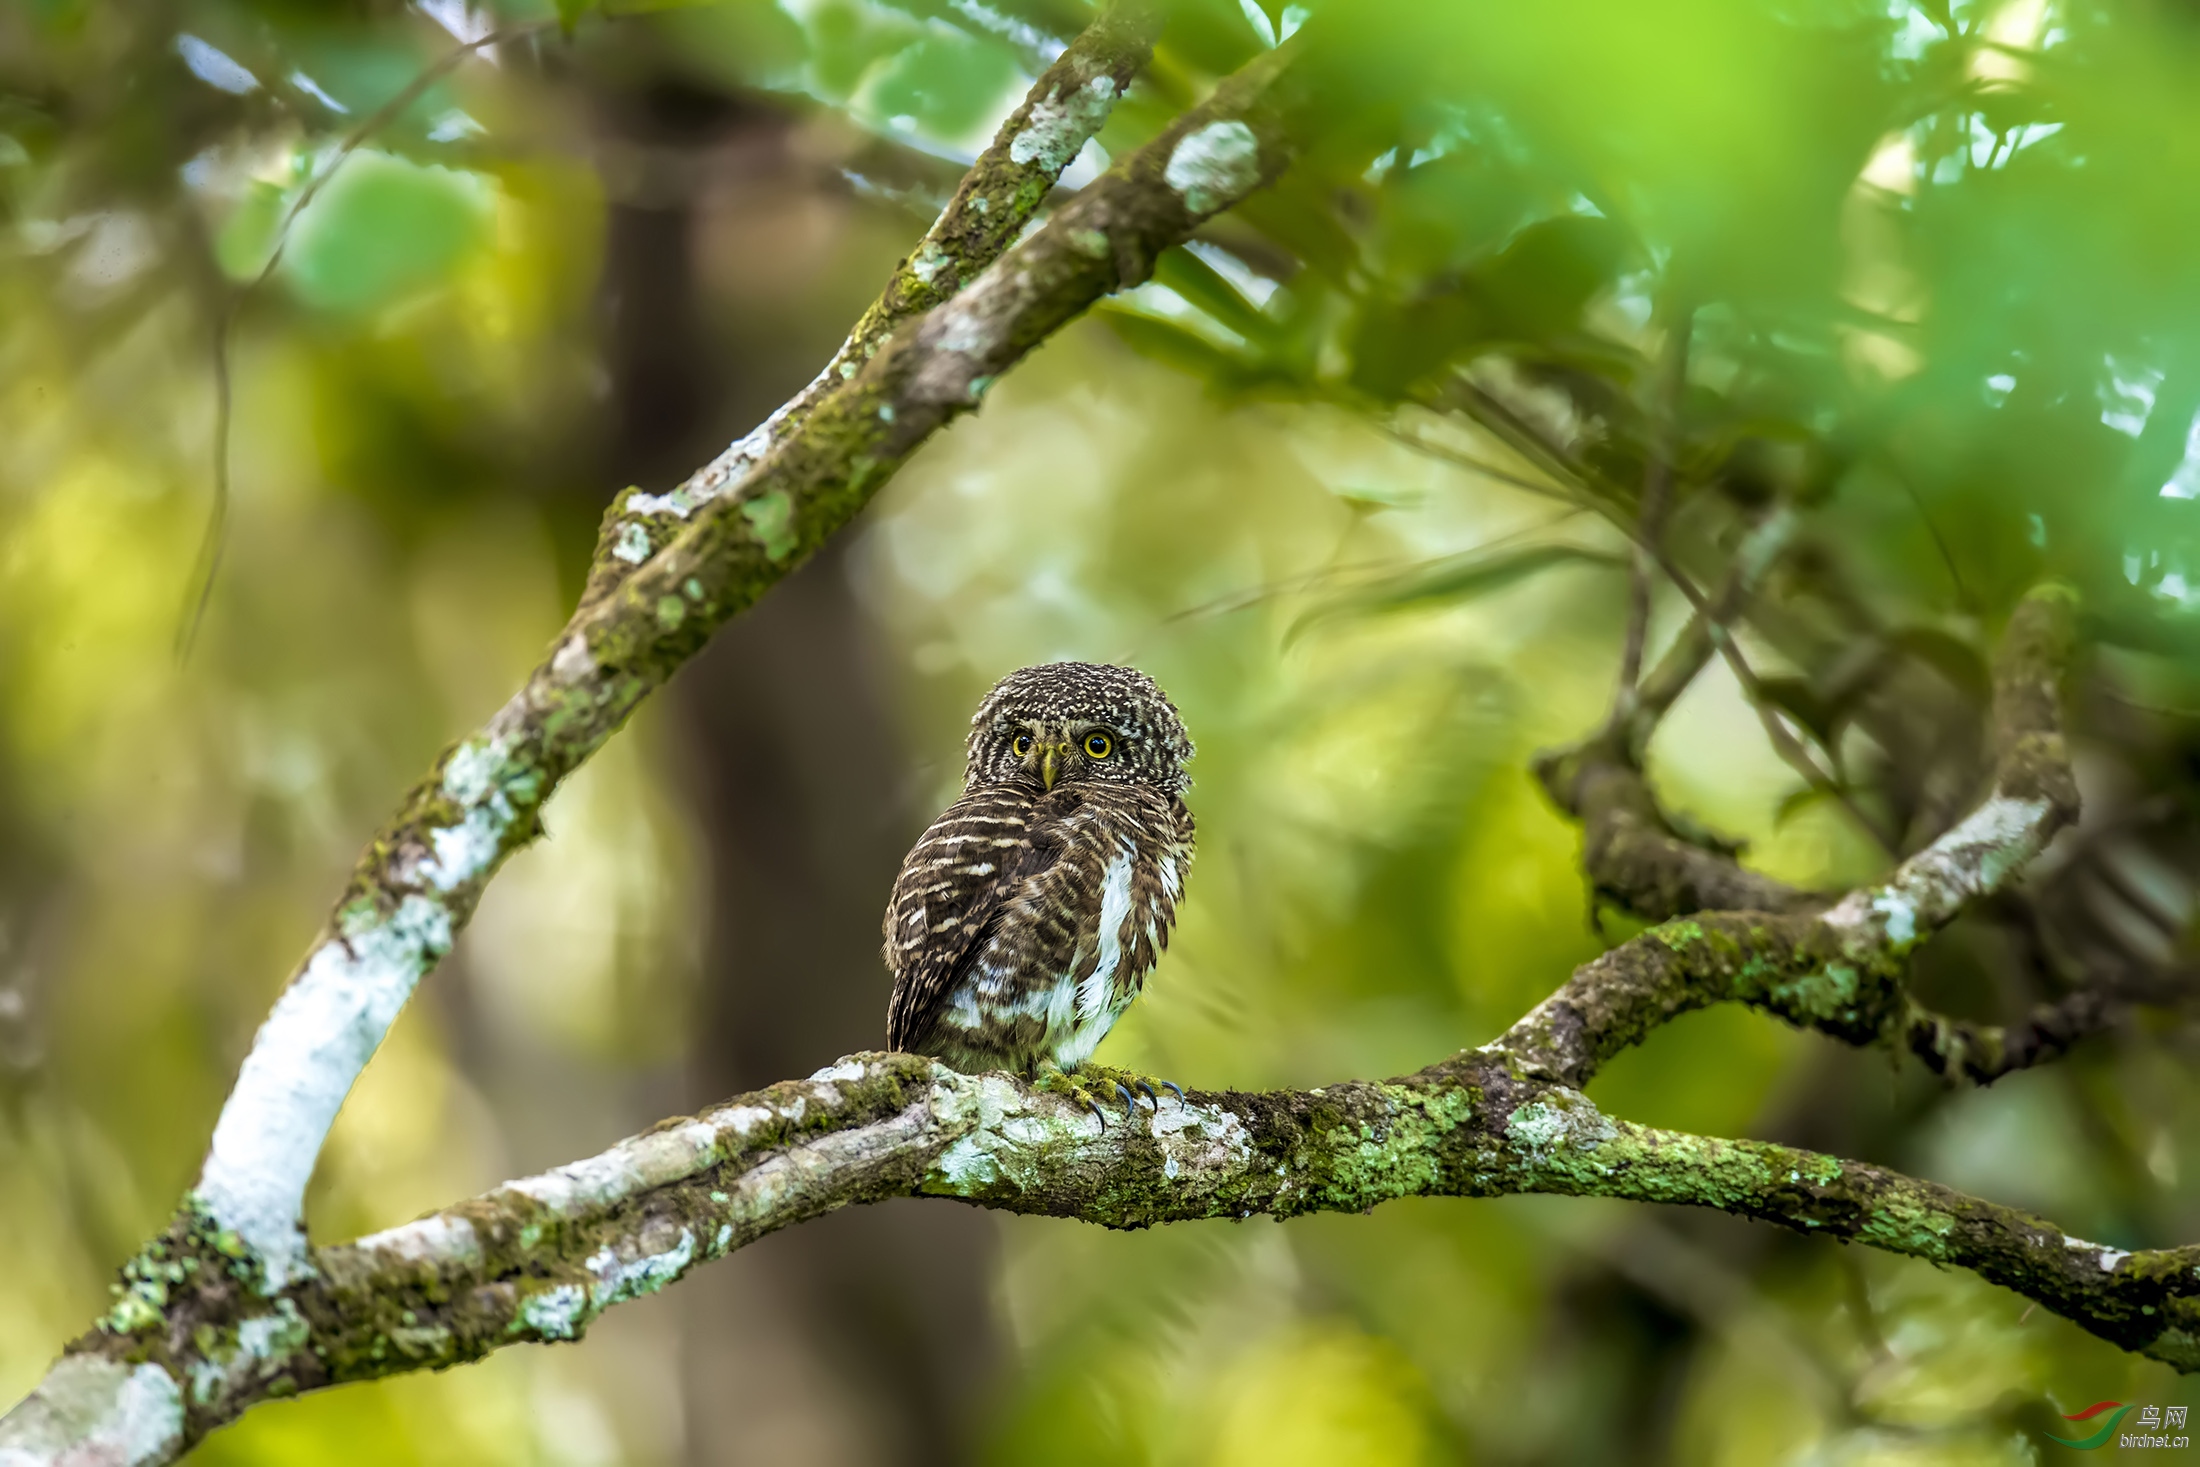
1026 919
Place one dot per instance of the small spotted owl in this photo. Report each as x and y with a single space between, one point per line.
1026 919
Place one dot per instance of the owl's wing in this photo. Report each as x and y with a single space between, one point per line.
958 880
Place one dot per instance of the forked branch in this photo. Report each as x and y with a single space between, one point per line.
230 1306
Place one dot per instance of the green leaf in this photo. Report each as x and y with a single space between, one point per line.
948 83
1951 657
1455 579
1371 497
1397 343
1539 284
248 235
1798 801
1203 285
1168 342
384 228
1796 696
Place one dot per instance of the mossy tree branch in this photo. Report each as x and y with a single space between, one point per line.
1631 850
1841 970
230 1307
996 199
417 883
199 1337
765 511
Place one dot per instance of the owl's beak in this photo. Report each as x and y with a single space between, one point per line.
1053 757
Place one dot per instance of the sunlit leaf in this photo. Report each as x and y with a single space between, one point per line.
1954 659
1200 283
1167 341
1458 579
383 228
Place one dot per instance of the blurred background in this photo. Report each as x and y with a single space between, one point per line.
1345 479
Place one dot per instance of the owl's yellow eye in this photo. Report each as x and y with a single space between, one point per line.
1021 745
1098 746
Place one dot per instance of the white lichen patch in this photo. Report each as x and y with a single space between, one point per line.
557 1313
962 1169
1898 917
745 453
1006 1133
841 1073
2105 1256
1928 890
465 850
930 262
572 662
273 1336
1010 1136
1214 166
1560 1120
94 1412
262 1341
1196 1138
679 504
481 776
635 1165
323 1030
964 331
620 1279
742 1119
632 545
1059 126
432 1240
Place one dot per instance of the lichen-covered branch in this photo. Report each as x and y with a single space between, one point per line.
419 880
200 1332
239 1232
1983 1053
1841 970
1630 849
540 1259
996 199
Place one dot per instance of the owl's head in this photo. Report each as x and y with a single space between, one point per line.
1063 722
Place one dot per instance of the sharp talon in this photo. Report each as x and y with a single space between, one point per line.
1170 1085
1145 1087
1130 1104
1097 1113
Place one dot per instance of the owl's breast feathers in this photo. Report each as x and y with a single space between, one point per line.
1023 923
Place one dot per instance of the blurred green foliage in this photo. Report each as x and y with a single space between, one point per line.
1345 477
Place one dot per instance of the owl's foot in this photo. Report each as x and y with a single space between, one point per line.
1092 1080
1049 1076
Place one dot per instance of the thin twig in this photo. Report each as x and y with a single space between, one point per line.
1787 746
1964 598
1316 579
1691 650
1522 436
1657 492
200 589
1484 467
378 119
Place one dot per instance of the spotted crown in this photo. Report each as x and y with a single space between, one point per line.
1152 744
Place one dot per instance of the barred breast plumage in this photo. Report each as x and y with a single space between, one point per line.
1025 920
